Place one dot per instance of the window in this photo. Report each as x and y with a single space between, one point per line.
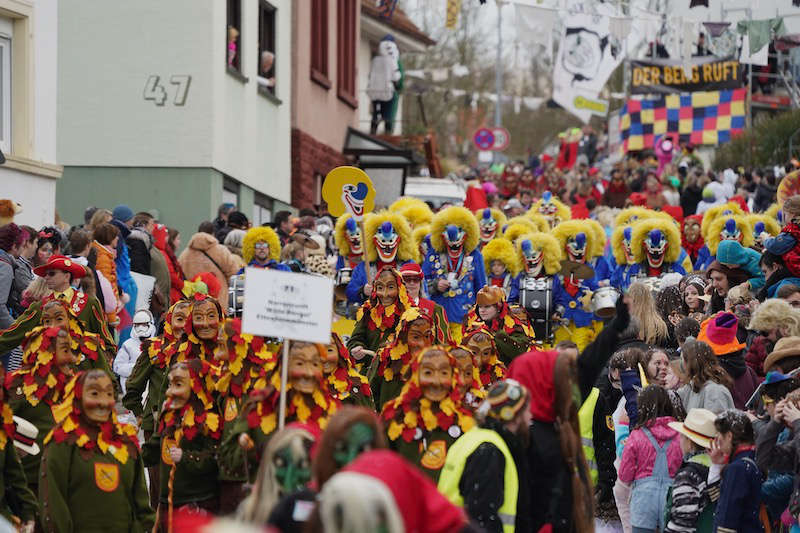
233 39
5 94
319 42
346 51
266 46
230 191
262 210
318 179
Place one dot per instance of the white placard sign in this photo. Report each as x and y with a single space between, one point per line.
287 305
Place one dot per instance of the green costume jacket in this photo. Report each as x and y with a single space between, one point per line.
511 345
196 474
370 339
428 452
86 492
40 416
232 457
145 376
16 499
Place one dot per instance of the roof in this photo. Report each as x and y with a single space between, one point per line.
399 21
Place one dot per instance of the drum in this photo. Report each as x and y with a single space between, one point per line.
236 295
536 297
343 277
604 302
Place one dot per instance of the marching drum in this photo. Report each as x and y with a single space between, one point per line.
604 302
236 295
536 297
343 276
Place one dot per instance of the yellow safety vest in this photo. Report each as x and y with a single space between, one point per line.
586 420
457 457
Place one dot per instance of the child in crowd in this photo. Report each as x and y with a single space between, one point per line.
733 255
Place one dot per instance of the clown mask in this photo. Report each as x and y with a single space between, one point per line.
454 240
54 315
65 359
205 320
419 335
534 258
627 246
353 234
465 367
357 440
98 399
691 231
548 209
179 387
435 376
488 226
386 242
576 247
730 232
179 315
305 367
761 236
386 288
482 348
655 246
331 358
292 468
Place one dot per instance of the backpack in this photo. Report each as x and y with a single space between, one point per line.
705 520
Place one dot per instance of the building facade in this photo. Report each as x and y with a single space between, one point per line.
28 82
175 106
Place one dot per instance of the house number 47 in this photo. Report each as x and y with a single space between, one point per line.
153 90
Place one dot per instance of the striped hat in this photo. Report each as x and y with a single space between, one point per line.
506 398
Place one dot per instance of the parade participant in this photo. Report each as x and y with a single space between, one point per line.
484 467
38 386
413 280
539 255
186 443
734 255
422 240
491 311
719 211
414 210
572 296
308 401
519 226
92 473
261 248
692 240
388 241
502 267
490 223
596 254
344 382
454 268
129 352
656 247
378 318
349 242
469 387
429 414
552 209
389 369
201 329
17 502
58 273
764 228
734 228
490 368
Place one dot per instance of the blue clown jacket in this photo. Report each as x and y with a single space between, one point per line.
458 301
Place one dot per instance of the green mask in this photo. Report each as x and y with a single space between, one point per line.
291 472
357 440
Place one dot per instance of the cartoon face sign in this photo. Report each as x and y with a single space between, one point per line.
583 53
348 190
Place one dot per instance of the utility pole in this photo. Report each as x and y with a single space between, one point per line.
498 75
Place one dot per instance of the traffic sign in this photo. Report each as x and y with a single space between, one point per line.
484 139
501 138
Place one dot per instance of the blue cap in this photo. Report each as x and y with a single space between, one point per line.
123 213
775 377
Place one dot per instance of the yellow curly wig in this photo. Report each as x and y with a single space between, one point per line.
340 237
771 225
562 211
407 251
629 215
418 215
549 247
599 244
616 244
404 202
503 251
715 228
772 211
261 234
461 217
643 227
715 213
419 233
538 220
498 215
520 227
572 227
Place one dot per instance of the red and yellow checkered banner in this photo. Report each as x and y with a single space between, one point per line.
698 118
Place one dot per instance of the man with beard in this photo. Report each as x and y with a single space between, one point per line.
483 468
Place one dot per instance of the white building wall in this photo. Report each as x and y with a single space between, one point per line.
36 194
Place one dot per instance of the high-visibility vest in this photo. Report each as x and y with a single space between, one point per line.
586 420
457 457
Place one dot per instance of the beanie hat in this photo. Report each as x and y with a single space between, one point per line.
505 399
719 332
123 213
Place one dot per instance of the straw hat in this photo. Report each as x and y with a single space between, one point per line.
785 347
698 427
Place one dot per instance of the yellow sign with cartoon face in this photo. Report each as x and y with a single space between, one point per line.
348 190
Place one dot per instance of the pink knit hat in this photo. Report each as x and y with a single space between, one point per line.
719 332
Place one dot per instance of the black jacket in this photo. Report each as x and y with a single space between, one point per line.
603 438
595 356
690 197
765 196
139 244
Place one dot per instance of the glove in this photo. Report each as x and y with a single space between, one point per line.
547 528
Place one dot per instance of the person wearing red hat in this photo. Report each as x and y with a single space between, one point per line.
413 279
59 272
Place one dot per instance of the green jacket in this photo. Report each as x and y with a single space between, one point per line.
145 376
428 453
511 345
196 475
232 457
16 499
370 339
86 492
40 416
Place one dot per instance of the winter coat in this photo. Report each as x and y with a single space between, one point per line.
160 271
690 197
739 495
205 254
745 380
139 243
639 456
712 396
105 264
160 236
124 280
126 358
765 195
7 264
23 275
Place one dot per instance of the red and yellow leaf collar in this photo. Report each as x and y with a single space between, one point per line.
411 410
246 364
199 415
343 380
395 357
493 370
382 317
111 437
504 319
39 379
162 349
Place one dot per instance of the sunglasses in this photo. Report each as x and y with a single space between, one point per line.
260 245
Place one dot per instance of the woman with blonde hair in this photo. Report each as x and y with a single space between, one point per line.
100 217
652 328
773 319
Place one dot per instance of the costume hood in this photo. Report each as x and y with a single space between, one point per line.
415 210
549 247
714 213
534 370
712 236
569 228
202 241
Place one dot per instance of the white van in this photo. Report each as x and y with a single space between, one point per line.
436 191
